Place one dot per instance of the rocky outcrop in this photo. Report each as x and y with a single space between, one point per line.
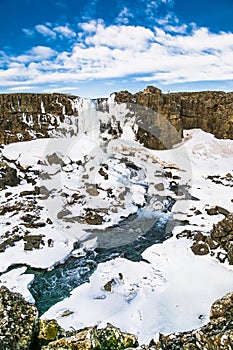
20 329
210 111
216 335
109 338
160 118
220 241
25 116
8 176
49 331
18 321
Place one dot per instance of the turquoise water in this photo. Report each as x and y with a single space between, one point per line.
129 239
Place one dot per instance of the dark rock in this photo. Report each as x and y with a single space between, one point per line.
67 313
86 339
230 253
55 158
159 187
112 338
93 218
27 193
8 194
103 173
8 176
212 243
109 338
186 233
108 286
33 242
222 211
200 248
197 212
212 211
199 237
217 210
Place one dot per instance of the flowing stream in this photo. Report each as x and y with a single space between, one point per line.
128 239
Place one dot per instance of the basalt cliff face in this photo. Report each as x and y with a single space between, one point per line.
160 118
24 117
210 111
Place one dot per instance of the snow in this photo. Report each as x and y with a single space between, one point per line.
44 258
199 156
179 287
172 289
16 281
173 292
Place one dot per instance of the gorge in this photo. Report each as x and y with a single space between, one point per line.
128 199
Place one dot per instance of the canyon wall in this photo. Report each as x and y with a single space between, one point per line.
161 118
211 111
25 117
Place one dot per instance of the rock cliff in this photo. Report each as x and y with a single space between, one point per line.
211 111
160 118
25 116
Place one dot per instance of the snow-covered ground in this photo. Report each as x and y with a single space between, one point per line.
172 292
93 181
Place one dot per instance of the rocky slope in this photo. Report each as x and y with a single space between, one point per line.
18 321
160 118
21 329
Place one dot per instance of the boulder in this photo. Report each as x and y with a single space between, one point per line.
109 338
200 248
8 176
55 158
85 339
49 330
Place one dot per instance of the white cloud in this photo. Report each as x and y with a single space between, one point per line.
65 31
28 32
120 37
124 16
42 52
45 31
176 29
119 51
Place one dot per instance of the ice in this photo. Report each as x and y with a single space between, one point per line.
171 289
171 293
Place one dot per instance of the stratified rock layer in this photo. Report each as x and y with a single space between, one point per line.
210 111
160 118
25 116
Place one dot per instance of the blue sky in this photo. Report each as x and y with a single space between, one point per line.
94 47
